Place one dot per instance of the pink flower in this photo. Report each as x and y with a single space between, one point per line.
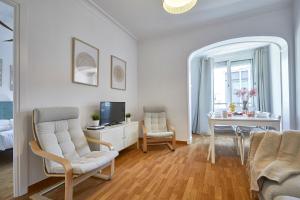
245 93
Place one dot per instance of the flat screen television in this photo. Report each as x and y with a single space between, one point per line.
112 113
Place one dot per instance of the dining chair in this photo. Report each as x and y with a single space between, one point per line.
245 131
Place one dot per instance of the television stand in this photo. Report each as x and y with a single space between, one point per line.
114 123
119 135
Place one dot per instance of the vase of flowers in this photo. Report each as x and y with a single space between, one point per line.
245 94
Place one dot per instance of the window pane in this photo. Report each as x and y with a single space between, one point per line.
220 86
240 78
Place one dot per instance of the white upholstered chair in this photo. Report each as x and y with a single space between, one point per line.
157 130
60 141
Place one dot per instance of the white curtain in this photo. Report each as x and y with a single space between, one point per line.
202 91
261 74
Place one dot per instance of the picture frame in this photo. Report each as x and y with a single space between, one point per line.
118 73
85 63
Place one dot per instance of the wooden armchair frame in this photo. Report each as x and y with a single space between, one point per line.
71 179
149 140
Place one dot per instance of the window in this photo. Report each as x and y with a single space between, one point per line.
228 77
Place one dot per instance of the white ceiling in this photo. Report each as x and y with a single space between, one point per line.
146 18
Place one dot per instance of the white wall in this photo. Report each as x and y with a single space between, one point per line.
275 79
46 31
163 61
297 56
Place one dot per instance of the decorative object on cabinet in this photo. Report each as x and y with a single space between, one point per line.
118 73
85 63
128 117
96 119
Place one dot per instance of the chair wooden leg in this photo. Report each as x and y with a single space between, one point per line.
174 143
242 150
112 168
209 151
145 144
69 185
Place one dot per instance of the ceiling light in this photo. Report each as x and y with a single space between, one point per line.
178 6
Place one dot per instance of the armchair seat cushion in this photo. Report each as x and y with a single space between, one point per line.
87 163
160 134
289 187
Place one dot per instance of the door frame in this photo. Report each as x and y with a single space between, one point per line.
17 148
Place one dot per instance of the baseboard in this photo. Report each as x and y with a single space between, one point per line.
177 141
181 142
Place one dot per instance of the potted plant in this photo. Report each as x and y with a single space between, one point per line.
95 118
128 117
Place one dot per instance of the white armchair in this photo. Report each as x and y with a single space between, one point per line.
157 130
59 140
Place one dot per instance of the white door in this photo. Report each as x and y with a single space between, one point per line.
115 136
131 133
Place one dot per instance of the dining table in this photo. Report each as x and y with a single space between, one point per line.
239 120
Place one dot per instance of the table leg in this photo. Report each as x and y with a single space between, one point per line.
209 148
212 144
278 127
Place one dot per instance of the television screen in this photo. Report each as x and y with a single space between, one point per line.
112 112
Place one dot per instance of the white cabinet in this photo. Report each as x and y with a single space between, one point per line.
131 132
120 136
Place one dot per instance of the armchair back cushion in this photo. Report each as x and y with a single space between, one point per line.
155 121
58 131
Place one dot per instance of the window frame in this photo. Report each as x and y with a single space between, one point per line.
229 91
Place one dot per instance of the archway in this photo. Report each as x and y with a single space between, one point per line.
284 79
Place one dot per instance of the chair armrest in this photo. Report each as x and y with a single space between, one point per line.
170 127
44 154
95 141
144 129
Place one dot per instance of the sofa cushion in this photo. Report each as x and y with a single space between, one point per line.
289 187
160 134
62 138
87 162
155 122
286 198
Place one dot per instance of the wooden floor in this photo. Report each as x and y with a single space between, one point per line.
163 174
6 174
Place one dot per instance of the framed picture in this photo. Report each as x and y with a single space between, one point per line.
85 63
118 73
